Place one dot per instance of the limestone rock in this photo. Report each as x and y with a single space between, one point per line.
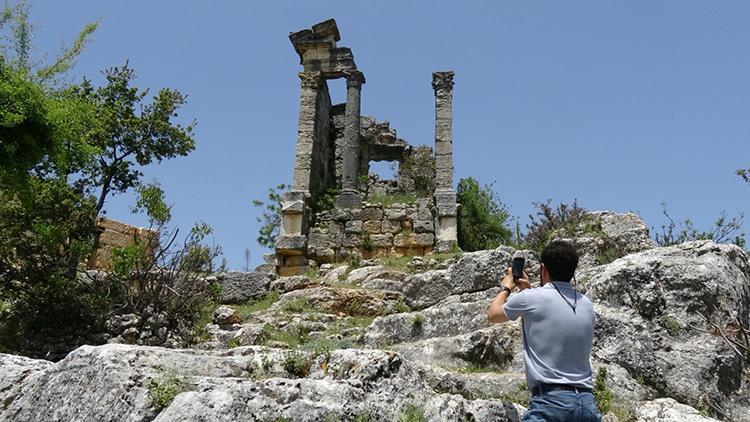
489 347
359 275
647 304
13 371
627 230
239 287
245 383
454 316
474 271
668 410
287 284
224 315
355 302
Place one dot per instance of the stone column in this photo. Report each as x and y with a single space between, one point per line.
445 197
442 83
350 197
310 85
291 245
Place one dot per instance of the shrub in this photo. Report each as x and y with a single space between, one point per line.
416 172
602 395
563 221
482 218
724 230
164 390
297 364
412 413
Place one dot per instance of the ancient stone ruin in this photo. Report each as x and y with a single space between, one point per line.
335 209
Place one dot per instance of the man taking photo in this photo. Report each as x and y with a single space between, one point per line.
558 329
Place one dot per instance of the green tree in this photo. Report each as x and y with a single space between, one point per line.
63 150
271 217
129 133
482 218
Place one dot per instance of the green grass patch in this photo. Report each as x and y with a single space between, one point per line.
297 364
478 369
294 338
255 305
412 413
164 390
297 306
395 262
519 395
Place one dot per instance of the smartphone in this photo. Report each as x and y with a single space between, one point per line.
517 268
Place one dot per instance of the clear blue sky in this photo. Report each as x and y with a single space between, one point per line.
622 105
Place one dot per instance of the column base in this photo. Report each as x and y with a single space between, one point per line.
349 200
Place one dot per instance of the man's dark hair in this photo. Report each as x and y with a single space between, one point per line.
561 259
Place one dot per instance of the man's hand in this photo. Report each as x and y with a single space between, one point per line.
522 283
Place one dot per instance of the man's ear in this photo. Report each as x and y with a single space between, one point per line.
543 274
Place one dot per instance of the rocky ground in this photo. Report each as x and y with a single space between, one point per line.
401 339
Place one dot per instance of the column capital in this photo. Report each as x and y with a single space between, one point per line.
310 79
354 79
442 81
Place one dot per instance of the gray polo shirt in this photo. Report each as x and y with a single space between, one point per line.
556 341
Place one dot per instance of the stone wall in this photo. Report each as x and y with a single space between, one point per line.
374 230
113 234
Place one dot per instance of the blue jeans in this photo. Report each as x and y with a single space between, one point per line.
562 406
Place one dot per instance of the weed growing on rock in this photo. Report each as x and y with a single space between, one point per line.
311 273
233 342
164 390
401 307
297 364
412 413
519 395
367 241
363 417
417 320
672 326
602 394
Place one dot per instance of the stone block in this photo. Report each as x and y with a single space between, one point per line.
239 287
319 245
424 214
353 226
291 245
424 226
404 240
372 226
447 210
351 241
106 223
371 213
338 214
382 240
424 239
392 213
348 200
289 271
115 238
445 197
392 227
294 261
292 207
